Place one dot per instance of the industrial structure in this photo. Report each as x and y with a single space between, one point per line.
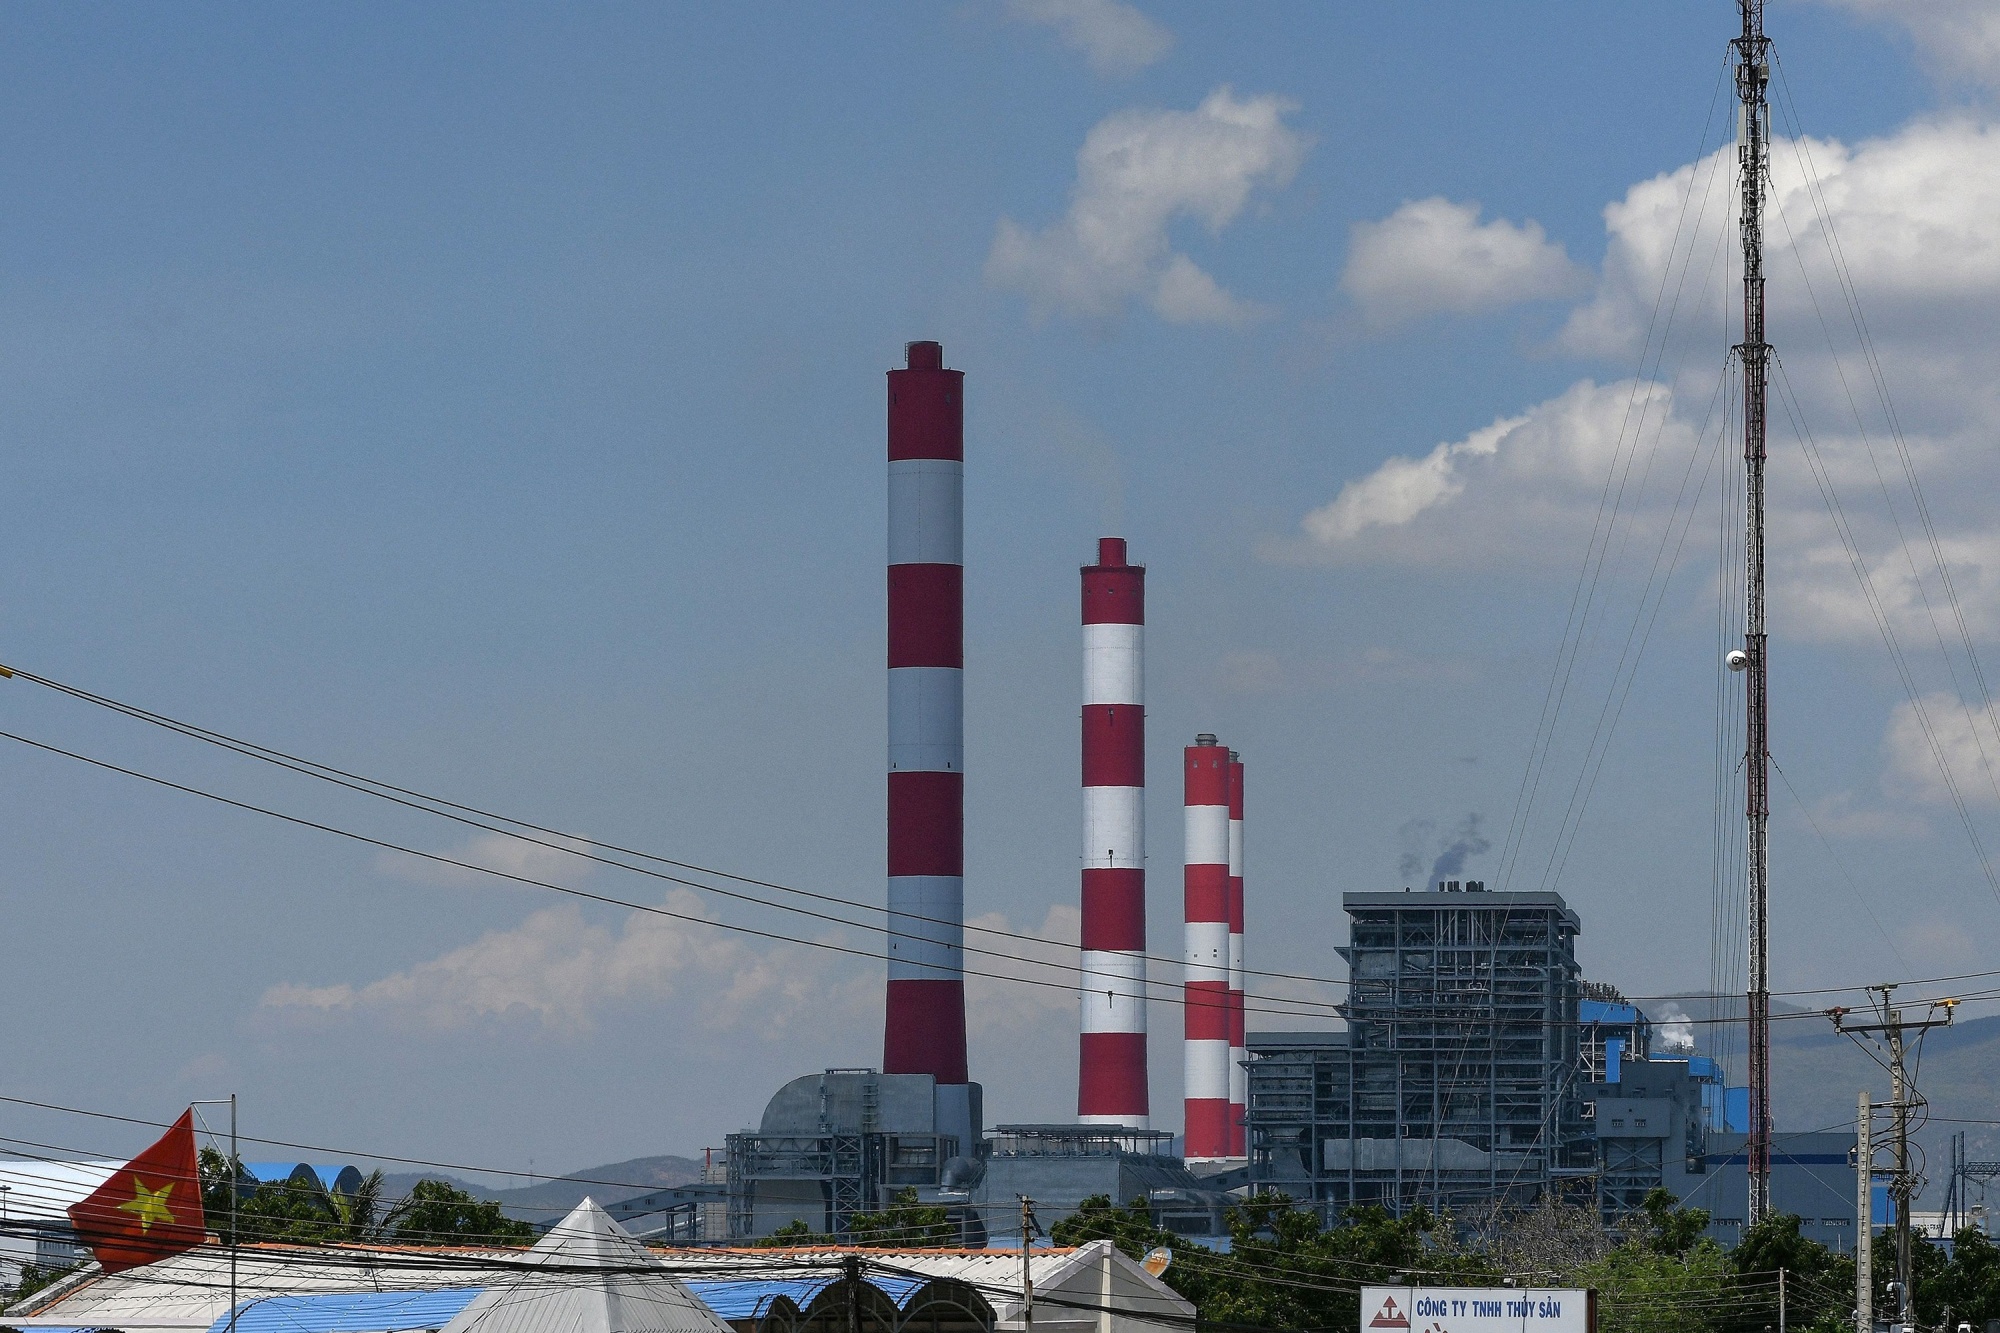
1206 978
1455 1082
924 1018
842 1142
1111 1086
847 1141
1478 1069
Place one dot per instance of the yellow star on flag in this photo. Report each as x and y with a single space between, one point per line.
149 1206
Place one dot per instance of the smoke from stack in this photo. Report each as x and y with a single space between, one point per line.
1206 1005
1111 1049
924 1027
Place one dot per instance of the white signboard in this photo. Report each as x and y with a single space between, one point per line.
1477 1310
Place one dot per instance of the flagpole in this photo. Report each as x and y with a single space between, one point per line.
233 1193
235 1190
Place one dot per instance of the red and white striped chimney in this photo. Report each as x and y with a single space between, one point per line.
1239 1073
1111 1047
1205 1075
924 1029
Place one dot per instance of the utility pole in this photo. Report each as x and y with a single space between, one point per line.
1028 1227
1887 1026
1864 1219
1753 354
853 1266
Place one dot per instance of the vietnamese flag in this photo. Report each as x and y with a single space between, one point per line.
150 1208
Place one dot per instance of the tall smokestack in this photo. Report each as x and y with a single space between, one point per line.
1239 1073
1111 1055
1206 1049
924 1032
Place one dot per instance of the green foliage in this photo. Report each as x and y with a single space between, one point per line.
35 1277
1819 1284
1644 1286
434 1213
795 1234
1969 1285
1285 1269
903 1224
1671 1229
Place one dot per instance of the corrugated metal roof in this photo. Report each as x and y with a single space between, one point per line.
349 1312
752 1298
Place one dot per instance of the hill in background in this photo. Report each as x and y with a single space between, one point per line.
546 1199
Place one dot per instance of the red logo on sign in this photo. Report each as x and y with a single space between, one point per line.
1389 1316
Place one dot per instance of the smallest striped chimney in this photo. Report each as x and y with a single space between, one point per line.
1239 1054
1205 1050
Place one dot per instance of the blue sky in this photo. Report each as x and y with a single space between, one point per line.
488 398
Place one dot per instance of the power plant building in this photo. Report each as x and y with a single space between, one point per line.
1455 1083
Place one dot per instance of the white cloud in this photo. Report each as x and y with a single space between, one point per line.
1432 255
1917 217
549 858
1916 213
1515 489
1960 38
1942 744
1136 173
1840 815
557 971
998 1005
1115 37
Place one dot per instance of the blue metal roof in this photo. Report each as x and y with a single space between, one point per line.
752 1298
349 1312
898 1289
333 1175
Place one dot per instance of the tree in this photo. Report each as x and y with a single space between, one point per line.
795 1234
1671 1229
435 1213
358 1216
1643 1288
1285 1269
1819 1284
35 1277
1969 1285
904 1223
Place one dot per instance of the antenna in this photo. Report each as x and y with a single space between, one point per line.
1753 355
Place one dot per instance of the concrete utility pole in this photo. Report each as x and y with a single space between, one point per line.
1864 1228
1887 1031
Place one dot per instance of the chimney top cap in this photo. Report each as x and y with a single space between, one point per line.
1204 739
924 355
1111 551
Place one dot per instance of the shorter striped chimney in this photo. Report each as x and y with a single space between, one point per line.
1239 1054
1111 1054
1205 1052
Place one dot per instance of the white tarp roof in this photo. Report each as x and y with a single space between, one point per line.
588 1275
